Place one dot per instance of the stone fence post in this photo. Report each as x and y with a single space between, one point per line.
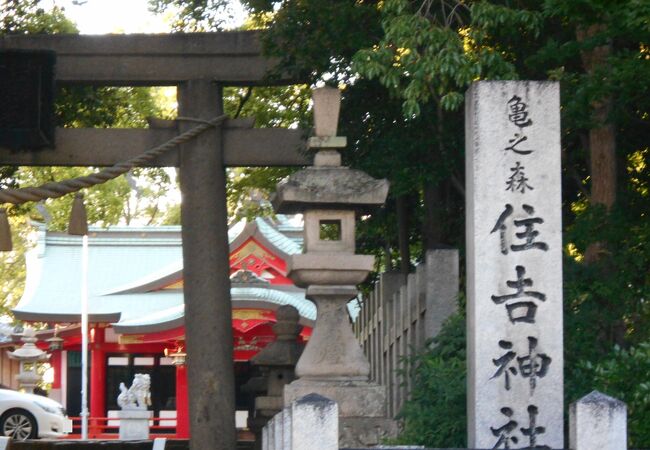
309 423
598 422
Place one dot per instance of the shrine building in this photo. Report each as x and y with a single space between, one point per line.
136 312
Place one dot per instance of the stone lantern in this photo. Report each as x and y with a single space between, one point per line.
330 197
277 363
28 356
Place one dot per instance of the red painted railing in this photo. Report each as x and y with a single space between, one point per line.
99 428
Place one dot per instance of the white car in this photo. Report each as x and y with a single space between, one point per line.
29 416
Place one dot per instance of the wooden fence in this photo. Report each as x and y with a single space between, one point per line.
401 314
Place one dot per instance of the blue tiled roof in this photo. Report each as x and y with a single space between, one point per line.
305 307
282 242
121 259
241 297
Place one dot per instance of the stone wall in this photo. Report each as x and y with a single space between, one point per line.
401 315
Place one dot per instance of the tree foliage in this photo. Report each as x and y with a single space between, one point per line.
432 51
196 16
623 375
28 16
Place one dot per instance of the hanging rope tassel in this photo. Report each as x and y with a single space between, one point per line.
78 225
5 232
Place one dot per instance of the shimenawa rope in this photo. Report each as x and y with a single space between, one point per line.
60 188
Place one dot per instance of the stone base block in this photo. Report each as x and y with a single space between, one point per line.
269 405
357 432
134 424
269 402
355 398
256 423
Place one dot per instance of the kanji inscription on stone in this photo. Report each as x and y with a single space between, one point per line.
514 265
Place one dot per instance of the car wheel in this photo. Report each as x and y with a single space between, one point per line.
18 424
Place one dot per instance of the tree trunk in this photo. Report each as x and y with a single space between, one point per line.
402 209
432 234
602 138
602 150
432 237
388 260
602 154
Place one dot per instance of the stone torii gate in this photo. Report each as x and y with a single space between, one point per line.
199 65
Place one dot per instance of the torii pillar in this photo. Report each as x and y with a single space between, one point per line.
208 321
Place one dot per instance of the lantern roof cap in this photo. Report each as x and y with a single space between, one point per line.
28 351
329 187
31 353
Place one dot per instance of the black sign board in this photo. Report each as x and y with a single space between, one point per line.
27 99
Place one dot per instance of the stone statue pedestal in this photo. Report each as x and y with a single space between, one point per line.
134 424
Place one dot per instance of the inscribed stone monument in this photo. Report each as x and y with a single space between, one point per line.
514 258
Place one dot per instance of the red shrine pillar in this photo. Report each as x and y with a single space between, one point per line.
55 363
97 378
182 406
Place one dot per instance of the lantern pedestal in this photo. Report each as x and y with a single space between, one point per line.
355 398
334 366
332 352
362 409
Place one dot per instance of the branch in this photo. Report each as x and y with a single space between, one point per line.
456 14
455 182
425 7
242 101
154 213
579 184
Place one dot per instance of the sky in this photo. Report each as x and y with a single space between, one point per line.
120 16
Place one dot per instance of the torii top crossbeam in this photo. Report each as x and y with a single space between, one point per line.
231 58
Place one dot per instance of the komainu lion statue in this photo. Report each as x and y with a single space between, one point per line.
138 395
